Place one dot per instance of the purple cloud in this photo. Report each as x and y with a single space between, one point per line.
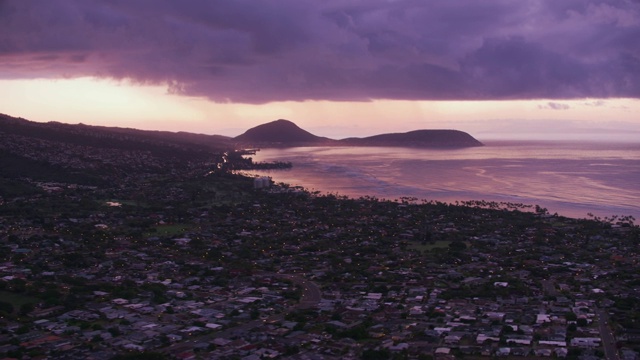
247 51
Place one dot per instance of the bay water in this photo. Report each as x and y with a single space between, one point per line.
572 179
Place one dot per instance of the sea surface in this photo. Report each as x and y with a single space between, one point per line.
572 179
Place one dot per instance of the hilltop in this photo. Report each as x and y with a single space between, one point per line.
281 133
284 133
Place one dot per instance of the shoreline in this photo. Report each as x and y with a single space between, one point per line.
572 185
514 203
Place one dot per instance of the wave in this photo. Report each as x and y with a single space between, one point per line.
572 180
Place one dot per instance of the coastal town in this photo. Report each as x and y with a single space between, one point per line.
189 260
319 180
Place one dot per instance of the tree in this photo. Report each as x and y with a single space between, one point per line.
457 246
141 356
371 354
26 308
114 331
18 285
255 314
6 307
23 329
164 339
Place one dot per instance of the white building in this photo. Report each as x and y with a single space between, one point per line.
588 342
261 182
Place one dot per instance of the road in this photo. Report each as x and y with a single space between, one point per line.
311 293
608 339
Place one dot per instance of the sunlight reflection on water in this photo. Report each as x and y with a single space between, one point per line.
572 179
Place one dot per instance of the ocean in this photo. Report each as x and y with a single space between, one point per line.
573 179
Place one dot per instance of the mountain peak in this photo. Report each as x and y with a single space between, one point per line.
282 132
282 121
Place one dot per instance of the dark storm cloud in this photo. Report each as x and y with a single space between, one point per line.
260 51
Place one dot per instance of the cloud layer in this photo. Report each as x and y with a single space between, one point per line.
275 50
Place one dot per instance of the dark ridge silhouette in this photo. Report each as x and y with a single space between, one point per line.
280 133
110 137
90 155
284 133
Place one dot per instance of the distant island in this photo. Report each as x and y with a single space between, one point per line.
284 133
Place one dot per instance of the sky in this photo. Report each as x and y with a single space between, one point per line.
500 69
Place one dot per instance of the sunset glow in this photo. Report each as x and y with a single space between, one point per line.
120 103
338 69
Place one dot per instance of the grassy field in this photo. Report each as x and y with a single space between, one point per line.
17 300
